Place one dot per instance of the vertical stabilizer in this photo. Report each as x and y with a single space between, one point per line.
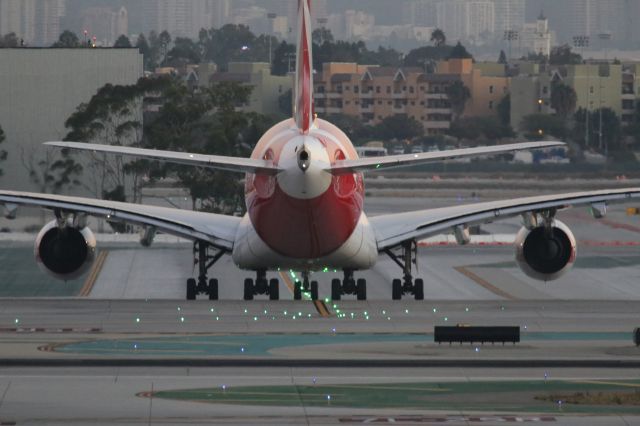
303 108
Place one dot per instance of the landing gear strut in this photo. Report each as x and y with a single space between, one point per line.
348 286
261 286
205 260
407 285
306 286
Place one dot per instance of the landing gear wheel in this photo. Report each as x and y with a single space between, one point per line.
396 289
361 289
274 289
314 290
191 289
336 289
212 291
297 291
418 289
248 289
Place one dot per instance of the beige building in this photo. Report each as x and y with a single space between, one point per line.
374 93
267 88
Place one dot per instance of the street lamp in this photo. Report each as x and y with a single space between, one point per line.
582 41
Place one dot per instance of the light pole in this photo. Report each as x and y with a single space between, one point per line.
604 37
581 42
510 36
271 17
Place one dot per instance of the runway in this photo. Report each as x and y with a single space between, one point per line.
125 348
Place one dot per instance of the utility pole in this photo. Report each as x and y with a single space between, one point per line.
604 37
581 42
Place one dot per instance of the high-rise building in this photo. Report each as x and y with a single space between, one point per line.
184 18
420 13
509 15
105 24
48 15
19 17
464 19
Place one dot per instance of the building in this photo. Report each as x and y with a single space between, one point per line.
466 20
374 93
41 88
536 37
597 85
420 13
184 18
267 88
35 22
510 15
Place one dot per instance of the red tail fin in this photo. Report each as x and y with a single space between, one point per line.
303 109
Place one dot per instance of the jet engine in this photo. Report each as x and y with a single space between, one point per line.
546 252
65 252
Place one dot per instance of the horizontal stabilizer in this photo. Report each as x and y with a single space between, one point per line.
233 164
407 160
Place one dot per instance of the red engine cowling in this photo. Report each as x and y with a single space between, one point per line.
546 255
65 253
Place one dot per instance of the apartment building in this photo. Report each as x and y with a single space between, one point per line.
373 93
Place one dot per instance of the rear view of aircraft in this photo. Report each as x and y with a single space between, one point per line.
304 195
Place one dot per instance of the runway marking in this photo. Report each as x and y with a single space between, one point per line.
322 308
93 275
600 382
483 283
287 281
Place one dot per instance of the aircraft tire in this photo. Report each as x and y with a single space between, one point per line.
418 289
212 290
191 289
297 291
361 289
248 289
396 289
336 289
274 289
314 290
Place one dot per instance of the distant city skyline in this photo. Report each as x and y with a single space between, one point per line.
475 22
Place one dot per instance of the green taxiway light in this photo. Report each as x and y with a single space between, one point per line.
466 309
245 311
181 319
446 318
406 311
212 310
217 318
17 320
325 269
255 318
435 310
137 319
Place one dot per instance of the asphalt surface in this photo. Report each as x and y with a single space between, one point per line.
127 349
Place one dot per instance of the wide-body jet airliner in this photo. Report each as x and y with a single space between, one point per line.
304 191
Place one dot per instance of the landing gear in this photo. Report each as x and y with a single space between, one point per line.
349 286
407 285
261 286
205 260
305 286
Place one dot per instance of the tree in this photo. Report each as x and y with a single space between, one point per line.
52 171
438 38
283 58
3 153
398 126
184 51
537 126
67 39
145 51
460 52
562 55
480 128
504 110
122 42
503 58
9 40
421 56
563 99
458 95
321 36
285 103
612 139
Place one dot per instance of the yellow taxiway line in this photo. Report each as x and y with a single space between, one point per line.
93 274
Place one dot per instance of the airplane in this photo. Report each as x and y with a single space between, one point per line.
304 193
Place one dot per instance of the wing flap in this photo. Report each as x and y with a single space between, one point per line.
218 230
233 164
394 229
406 160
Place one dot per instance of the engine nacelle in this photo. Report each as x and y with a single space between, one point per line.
546 255
66 252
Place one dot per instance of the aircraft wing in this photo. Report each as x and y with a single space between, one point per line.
218 230
406 160
393 229
233 164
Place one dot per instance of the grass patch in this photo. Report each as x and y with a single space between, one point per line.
596 398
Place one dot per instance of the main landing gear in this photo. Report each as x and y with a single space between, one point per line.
407 285
306 286
349 286
205 260
261 286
